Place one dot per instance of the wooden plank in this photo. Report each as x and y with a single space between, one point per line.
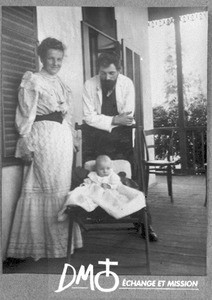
17 18
26 39
182 134
9 100
129 63
138 90
181 227
11 131
17 68
23 12
14 45
10 62
18 56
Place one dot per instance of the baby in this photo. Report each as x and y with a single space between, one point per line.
103 188
104 175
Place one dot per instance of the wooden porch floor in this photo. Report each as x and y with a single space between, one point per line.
181 228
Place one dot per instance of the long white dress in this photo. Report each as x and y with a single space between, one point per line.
36 231
118 200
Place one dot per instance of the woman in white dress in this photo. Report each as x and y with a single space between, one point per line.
43 120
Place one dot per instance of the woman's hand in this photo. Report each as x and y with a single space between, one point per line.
28 158
25 150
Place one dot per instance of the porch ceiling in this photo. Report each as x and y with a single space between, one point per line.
157 13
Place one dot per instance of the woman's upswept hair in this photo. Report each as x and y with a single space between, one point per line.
106 59
49 43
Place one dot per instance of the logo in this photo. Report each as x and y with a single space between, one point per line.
95 282
94 279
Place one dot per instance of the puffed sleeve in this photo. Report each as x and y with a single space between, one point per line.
26 113
27 104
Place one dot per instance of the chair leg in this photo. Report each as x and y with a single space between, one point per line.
169 183
70 230
206 200
205 204
147 241
146 180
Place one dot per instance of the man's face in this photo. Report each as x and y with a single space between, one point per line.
108 76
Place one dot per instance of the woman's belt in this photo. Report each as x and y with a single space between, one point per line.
55 117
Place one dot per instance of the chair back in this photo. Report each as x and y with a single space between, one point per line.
118 165
158 137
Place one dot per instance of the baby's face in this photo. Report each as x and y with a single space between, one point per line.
103 168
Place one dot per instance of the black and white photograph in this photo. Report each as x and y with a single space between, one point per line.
105 151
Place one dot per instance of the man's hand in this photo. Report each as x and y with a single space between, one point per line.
76 144
123 119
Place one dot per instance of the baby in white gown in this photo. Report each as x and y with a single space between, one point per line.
103 188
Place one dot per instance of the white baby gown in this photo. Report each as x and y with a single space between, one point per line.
118 200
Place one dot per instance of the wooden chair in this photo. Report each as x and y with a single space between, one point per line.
165 165
75 212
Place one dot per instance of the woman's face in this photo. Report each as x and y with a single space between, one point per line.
53 61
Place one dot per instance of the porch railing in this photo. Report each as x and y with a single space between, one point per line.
196 147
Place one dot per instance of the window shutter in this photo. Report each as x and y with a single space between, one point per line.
19 39
132 69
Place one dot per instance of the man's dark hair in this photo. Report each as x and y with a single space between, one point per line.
49 43
106 59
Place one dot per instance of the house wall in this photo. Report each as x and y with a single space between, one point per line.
11 187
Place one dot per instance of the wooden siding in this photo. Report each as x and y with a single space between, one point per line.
19 38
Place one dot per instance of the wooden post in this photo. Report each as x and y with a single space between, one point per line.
181 120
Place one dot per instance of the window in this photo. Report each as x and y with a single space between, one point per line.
95 43
98 36
19 39
102 18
